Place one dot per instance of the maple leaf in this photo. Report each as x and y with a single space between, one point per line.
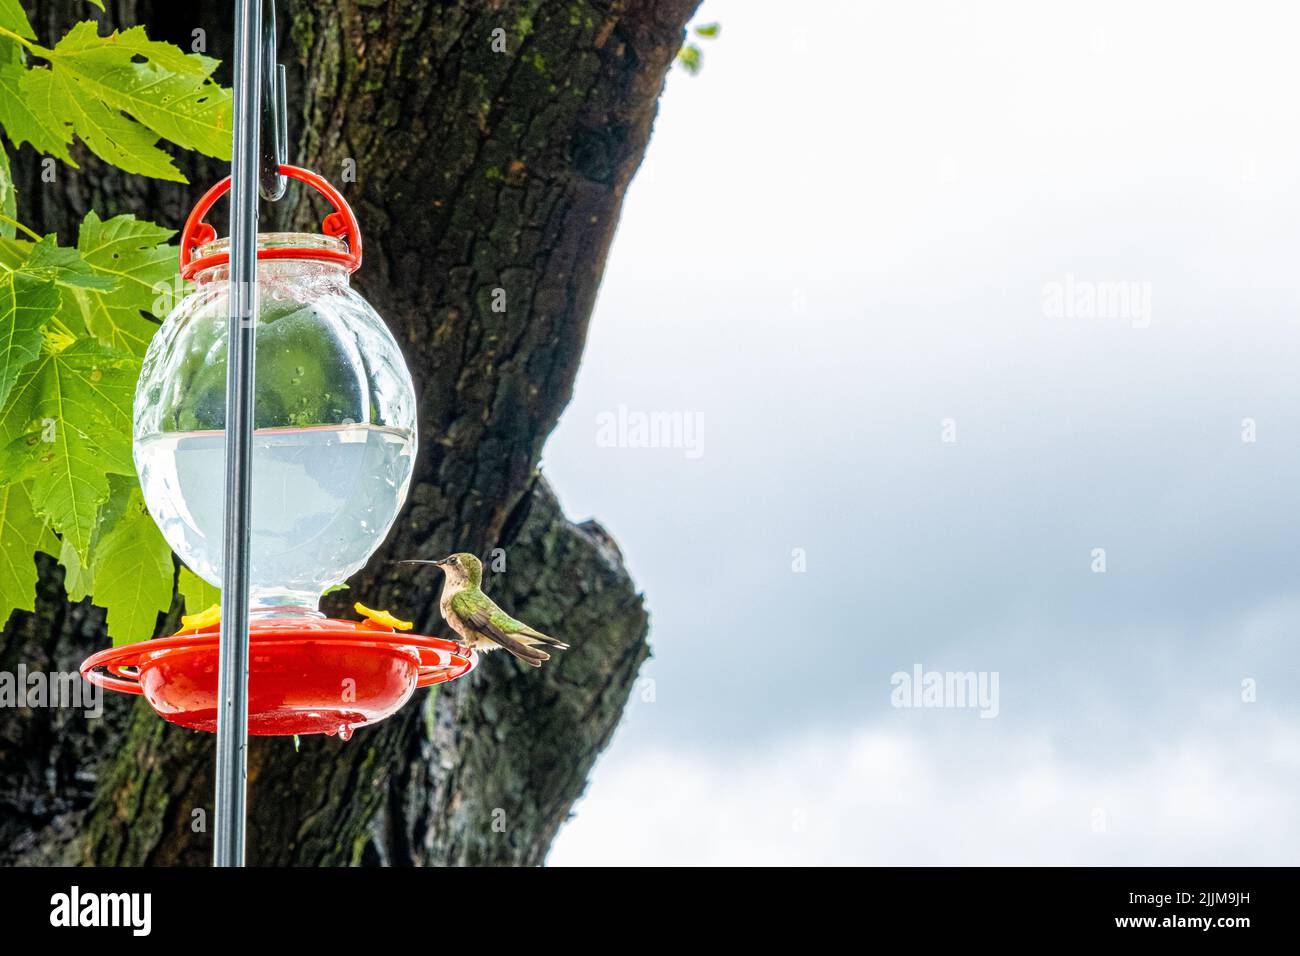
8 198
77 579
22 534
133 254
64 266
66 427
14 19
133 573
120 94
78 573
23 119
65 405
26 304
199 594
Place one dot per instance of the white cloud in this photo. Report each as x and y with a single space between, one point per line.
877 796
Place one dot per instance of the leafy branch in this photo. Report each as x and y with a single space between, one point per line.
75 321
119 94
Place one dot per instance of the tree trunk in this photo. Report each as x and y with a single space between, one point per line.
475 170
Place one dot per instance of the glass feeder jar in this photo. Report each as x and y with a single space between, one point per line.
334 436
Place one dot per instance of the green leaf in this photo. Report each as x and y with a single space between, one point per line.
133 574
691 58
708 30
334 588
26 304
199 594
135 255
120 93
114 138
164 55
22 534
23 119
14 252
169 92
65 266
14 19
77 578
67 426
8 197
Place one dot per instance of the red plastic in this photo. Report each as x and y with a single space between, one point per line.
305 675
341 223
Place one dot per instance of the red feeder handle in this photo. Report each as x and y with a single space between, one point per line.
341 223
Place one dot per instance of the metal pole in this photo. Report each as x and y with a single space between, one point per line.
232 704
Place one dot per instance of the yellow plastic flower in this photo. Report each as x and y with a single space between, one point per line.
196 622
383 617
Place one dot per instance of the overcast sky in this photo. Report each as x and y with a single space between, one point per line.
957 294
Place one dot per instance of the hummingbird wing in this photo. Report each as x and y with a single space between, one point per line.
520 629
477 611
502 621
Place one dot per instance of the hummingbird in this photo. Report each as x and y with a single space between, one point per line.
476 618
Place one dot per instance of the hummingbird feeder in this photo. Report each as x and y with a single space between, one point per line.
333 444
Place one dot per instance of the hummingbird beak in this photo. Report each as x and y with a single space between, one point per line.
422 561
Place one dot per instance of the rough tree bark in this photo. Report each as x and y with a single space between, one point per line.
475 170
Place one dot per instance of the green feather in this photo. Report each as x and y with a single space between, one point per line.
471 601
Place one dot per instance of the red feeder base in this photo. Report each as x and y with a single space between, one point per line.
305 675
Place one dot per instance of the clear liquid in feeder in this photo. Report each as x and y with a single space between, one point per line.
334 439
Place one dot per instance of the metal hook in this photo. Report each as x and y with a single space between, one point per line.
275 149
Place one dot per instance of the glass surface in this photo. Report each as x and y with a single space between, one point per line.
335 433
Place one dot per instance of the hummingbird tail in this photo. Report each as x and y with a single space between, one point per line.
537 635
531 656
